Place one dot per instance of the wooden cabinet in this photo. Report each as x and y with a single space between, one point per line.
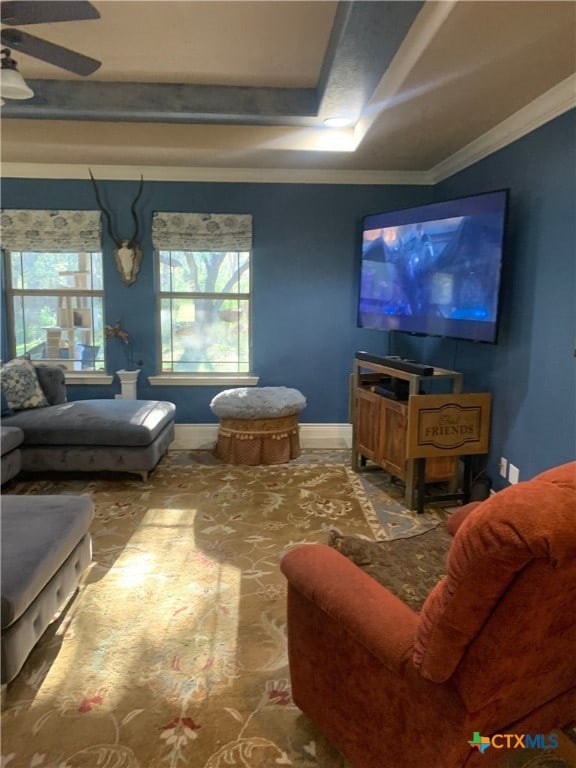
367 424
392 438
379 424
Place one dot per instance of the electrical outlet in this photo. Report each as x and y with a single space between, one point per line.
513 474
503 467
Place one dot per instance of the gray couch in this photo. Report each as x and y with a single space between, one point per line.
86 435
11 438
45 548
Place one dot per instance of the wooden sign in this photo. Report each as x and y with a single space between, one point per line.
448 425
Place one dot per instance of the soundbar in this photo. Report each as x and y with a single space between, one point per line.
408 366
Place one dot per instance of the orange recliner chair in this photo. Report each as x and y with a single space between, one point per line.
493 650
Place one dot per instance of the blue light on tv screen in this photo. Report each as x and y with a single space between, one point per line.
435 269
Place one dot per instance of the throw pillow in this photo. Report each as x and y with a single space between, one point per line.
20 385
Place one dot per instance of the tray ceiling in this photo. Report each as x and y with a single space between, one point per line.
247 85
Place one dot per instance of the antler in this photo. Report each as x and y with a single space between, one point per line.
133 209
104 210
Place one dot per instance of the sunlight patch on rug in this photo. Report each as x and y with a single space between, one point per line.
173 653
174 650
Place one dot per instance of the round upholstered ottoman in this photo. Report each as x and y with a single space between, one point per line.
258 425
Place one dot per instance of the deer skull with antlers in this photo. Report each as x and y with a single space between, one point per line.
128 252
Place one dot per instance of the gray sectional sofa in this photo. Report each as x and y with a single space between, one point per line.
45 548
46 543
85 435
11 438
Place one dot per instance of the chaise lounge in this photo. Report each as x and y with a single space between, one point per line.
90 435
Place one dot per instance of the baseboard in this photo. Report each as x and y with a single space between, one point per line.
203 436
326 435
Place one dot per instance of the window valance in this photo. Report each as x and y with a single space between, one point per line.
50 231
202 231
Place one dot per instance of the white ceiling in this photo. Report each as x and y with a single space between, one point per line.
237 88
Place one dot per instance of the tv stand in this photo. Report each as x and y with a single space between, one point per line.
380 422
398 363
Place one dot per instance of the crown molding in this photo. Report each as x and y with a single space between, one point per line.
552 104
223 175
555 102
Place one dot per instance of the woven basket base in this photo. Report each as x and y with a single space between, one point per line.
258 441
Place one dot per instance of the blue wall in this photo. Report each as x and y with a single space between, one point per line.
531 372
304 277
306 245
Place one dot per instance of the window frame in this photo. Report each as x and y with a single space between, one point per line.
202 377
87 376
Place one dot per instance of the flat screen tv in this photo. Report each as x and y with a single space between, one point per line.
435 269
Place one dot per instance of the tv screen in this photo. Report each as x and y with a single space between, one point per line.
435 269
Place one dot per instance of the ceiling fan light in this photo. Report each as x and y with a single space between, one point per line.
12 84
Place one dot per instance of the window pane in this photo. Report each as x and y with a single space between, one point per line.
207 335
44 271
243 270
166 331
165 272
15 269
33 314
207 327
78 344
56 312
201 272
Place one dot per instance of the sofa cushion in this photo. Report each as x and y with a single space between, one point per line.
38 534
10 438
20 385
52 379
95 422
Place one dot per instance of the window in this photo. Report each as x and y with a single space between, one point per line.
204 298
55 286
205 311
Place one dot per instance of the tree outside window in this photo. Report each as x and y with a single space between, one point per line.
204 311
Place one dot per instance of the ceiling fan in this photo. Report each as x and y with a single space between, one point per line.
21 12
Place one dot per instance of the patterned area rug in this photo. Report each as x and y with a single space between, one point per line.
173 653
409 568
385 493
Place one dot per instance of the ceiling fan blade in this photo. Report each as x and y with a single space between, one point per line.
49 52
21 12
